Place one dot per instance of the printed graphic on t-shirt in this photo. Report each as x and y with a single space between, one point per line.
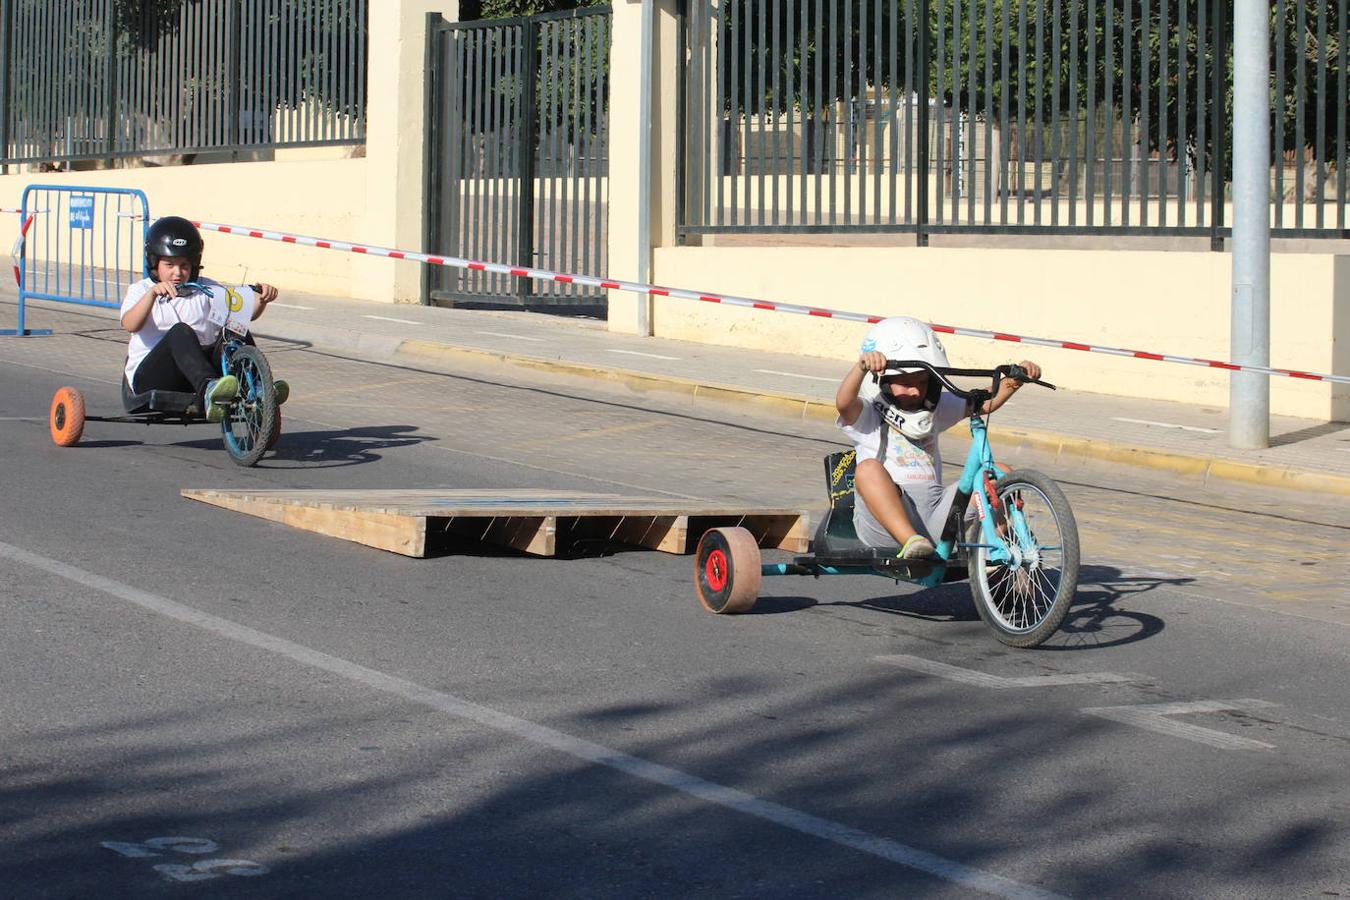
914 461
906 461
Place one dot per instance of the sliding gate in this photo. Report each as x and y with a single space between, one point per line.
517 162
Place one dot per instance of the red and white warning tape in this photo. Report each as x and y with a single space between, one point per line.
17 251
747 302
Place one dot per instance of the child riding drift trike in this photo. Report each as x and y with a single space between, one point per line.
1018 543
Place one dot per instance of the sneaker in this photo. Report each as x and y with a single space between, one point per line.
219 392
917 547
283 390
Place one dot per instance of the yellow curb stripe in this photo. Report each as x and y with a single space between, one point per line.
1202 468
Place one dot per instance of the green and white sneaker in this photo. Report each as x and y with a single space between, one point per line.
218 395
917 547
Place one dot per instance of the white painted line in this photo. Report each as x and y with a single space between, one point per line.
1167 425
795 375
684 783
389 319
998 682
23 418
289 305
1152 717
514 337
639 353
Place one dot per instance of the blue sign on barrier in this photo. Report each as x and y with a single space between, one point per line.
82 213
86 246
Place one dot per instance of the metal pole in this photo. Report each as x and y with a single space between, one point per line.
644 229
1249 393
528 135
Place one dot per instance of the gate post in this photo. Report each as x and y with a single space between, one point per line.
527 135
395 145
626 125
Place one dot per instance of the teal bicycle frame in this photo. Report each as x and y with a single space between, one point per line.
979 461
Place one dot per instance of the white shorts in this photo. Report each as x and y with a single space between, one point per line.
926 504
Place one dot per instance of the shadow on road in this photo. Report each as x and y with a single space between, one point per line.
331 449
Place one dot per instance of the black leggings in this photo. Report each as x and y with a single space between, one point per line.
179 363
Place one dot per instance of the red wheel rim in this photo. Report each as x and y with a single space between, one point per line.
715 570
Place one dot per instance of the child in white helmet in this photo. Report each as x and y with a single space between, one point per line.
900 499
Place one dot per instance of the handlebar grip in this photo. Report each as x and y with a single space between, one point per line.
1016 371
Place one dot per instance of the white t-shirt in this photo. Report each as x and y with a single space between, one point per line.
194 309
907 461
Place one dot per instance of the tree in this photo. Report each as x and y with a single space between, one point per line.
1141 59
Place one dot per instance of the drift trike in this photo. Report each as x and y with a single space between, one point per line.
252 423
1019 550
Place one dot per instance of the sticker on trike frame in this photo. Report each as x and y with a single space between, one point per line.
201 870
231 307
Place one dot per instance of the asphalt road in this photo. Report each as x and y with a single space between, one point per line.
194 697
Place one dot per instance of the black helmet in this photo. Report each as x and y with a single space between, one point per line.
173 236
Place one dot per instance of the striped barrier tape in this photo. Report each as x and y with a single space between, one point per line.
17 250
747 302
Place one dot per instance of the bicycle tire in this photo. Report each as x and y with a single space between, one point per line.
251 418
993 585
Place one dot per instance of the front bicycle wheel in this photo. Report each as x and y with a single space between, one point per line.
1024 599
252 417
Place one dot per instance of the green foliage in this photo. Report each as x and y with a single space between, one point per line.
1057 60
470 10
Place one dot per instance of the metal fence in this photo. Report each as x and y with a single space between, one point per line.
101 79
84 245
984 116
518 155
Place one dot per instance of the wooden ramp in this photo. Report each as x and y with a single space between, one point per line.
542 523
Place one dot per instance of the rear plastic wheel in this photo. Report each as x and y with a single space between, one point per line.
66 419
727 570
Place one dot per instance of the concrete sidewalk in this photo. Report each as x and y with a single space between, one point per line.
1186 440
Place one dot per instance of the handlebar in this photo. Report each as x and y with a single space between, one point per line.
187 288
995 374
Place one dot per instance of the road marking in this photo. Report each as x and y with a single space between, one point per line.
1167 425
795 375
288 306
389 319
639 353
514 337
682 782
23 418
999 682
1152 717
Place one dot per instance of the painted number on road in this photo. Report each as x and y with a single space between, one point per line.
211 868
202 870
157 846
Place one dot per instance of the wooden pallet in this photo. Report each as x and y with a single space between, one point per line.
542 523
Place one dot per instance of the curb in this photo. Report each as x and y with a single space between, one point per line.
1204 469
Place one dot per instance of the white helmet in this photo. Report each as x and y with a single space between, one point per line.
904 338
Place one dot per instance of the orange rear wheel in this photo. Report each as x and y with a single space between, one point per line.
67 417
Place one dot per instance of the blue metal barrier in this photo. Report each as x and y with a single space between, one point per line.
85 245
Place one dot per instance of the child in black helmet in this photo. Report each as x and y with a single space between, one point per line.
173 340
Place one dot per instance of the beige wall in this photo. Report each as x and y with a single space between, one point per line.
316 197
1164 302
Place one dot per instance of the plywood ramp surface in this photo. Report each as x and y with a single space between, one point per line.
543 523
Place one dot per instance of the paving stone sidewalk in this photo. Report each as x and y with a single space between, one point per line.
1188 440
